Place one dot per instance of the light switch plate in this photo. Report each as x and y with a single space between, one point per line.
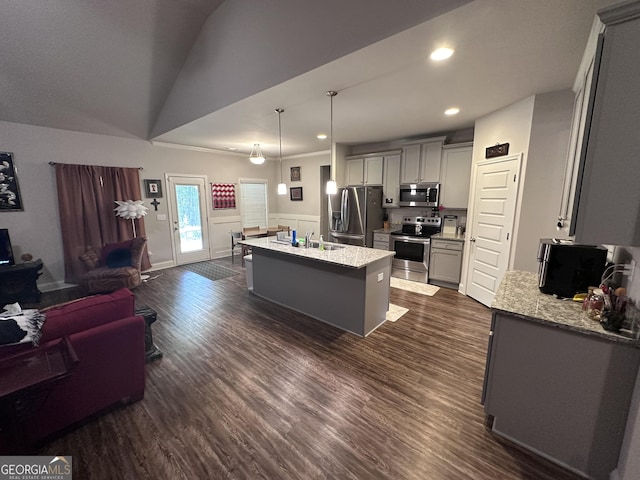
161 217
381 276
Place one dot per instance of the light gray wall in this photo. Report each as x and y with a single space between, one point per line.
309 181
629 462
538 127
510 125
36 230
545 165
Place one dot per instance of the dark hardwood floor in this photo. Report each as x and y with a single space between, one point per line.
247 389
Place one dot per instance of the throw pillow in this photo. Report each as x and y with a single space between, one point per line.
110 247
90 259
120 257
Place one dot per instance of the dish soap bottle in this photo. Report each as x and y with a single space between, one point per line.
321 244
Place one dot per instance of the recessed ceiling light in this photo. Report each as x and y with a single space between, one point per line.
322 136
231 148
452 111
441 53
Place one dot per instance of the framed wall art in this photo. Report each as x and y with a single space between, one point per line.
153 189
10 199
295 193
295 174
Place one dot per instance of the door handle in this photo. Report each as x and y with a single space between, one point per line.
472 239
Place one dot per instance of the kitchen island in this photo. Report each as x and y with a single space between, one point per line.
345 286
556 382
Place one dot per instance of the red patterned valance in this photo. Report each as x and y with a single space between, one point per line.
223 195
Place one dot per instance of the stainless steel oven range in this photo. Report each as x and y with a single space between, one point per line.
411 245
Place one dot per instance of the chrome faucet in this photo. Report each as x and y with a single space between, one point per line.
307 238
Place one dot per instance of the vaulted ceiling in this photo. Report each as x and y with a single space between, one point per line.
209 73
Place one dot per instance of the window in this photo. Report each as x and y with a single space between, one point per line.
253 206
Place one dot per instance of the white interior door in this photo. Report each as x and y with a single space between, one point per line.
494 205
188 211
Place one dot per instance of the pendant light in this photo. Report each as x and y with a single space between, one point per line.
256 156
332 186
282 187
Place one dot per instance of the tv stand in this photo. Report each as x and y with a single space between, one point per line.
18 282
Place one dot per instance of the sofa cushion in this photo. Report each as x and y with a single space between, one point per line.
120 257
86 313
110 247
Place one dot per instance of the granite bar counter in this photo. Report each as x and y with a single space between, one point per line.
347 287
519 295
556 382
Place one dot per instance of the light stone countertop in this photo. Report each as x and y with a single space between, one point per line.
448 236
519 295
349 256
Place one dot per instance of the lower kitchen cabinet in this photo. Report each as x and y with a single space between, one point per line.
445 262
559 392
381 241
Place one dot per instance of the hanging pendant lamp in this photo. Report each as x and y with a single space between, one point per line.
256 156
332 186
282 187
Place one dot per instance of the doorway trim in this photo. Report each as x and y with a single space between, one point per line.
472 211
171 199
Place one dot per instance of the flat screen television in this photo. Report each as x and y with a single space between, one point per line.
6 252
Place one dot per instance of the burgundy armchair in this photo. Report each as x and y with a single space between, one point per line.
117 266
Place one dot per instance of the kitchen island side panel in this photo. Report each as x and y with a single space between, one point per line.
377 293
327 292
560 393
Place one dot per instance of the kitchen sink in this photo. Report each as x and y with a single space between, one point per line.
327 246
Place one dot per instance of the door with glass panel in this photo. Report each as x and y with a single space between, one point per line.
188 212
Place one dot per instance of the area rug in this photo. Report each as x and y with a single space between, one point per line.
415 287
210 270
395 312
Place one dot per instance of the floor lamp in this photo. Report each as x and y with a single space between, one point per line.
132 210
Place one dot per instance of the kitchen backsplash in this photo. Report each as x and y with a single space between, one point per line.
397 214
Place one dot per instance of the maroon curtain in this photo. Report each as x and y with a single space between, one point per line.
86 200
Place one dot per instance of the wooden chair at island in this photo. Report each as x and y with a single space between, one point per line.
235 242
248 232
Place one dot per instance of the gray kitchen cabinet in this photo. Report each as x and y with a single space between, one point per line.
559 392
583 88
445 262
421 161
364 171
455 175
391 180
606 206
381 240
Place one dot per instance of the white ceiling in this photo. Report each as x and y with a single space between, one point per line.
107 67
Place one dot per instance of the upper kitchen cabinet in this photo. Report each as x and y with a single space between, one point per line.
606 208
364 170
421 161
455 175
391 180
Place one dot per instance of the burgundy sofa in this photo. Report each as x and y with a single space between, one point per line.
108 340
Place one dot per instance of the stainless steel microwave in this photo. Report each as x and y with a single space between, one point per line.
419 195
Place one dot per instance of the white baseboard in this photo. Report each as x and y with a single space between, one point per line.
57 285
161 266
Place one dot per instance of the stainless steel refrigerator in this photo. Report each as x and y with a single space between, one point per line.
354 213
